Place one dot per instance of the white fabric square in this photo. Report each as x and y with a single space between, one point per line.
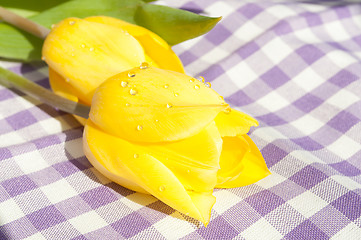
220 9
225 200
307 124
58 191
88 222
281 11
268 134
262 229
347 182
75 147
242 74
306 36
270 181
341 58
214 56
307 204
337 31
273 101
343 99
308 79
9 211
174 226
277 50
248 31
31 162
344 147
37 236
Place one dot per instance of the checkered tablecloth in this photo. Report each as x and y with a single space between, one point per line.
294 66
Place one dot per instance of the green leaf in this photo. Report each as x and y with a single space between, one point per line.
173 25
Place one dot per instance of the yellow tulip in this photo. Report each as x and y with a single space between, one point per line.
167 134
82 53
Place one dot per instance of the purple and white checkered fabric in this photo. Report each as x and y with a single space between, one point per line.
295 66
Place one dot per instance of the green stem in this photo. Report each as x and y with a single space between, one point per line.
23 23
10 79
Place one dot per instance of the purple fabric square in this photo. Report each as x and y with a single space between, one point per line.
346 168
5 154
349 204
18 229
66 168
308 102
312 19
46 141
72 207
271 119
5 94
81 237
342 12
308 177
131 225
250 10
46 217
18 185
192 7
218 228
45 176
21 119
283 27
273 154
287 189
309 53
343 78
357 40
239 99
248 49
307 230
218 35
307 143
187 58
106 232
275 77
44 83
212 73
98 197
343 121
265 201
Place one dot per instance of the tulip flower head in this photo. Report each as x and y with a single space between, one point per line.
164 133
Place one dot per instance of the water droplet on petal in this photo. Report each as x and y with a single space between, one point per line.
200 78
71 22
91 49
144 65
176 94
196 86
191 80
124 83
161 188
133 91
67 80
166 86
156 120
131 74
169 105
188 171
227 110
127 104
43 58
208 84
139 127
83 45
72 54
136 155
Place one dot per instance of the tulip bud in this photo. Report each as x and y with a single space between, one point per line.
165 133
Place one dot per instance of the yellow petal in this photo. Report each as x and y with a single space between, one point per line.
233 123
241 163
154 105
87 53
161 169
154 46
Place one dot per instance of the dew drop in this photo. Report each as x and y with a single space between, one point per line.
161 188
166 86
124 83
144 65
72 54
191 80
196 86
83 45
188 171
91 49
169 105
156 120
139 127
136 155
133 92
200 78
227 110
43 58
67 80
176 94
208 84
131 74
127 104
71 22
